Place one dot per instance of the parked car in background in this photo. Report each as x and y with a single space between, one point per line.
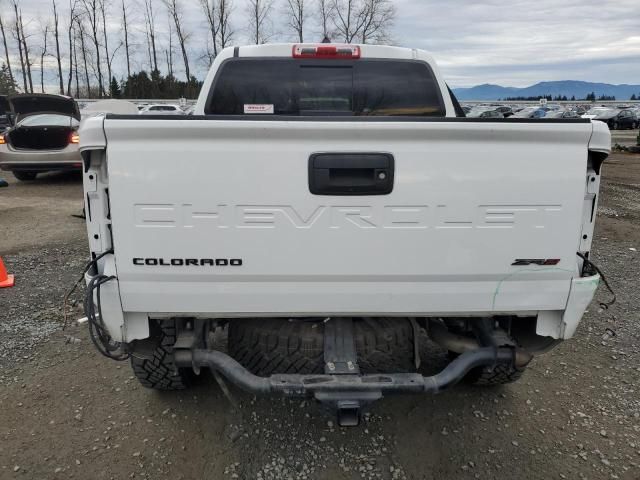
593 112
615 119
491 114
531 112
44 137
483 111
580 110
162 110
562 114
505 110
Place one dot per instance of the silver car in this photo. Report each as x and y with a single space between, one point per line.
162 109
44 137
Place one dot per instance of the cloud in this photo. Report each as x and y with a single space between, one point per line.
522 42
515 43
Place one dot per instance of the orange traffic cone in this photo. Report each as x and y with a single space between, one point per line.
6 280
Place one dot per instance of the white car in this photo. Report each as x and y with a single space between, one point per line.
595 112
323 205
162 109
44 137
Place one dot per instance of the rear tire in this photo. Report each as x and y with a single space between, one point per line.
159 372
385 345
271 345
24 175
268 345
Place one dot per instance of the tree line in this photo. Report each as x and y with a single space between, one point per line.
152 62
590 97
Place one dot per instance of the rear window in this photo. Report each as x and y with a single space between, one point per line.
49 120
332 88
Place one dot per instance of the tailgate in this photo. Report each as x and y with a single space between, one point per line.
217 217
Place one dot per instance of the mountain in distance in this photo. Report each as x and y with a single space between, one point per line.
563 87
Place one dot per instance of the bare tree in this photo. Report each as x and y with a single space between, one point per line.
126 38
223 11
348 19
18 37
169 51
297 15
25 47
209 9
259 12
74 46
325 13
110 63
83 52
6 50
168 56
73 61
43 52
363 20
148 38
92 11
103 11
174 11
378 17
56 36
151 30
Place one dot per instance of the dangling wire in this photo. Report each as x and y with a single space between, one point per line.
93 311
92 263
97 329
594 267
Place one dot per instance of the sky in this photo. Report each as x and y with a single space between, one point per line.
509 42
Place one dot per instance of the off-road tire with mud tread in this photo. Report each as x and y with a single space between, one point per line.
385 345
159 372
267 346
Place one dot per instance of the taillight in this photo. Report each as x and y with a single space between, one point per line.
2 140
74 138
326 51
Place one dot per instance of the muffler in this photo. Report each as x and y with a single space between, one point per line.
453 342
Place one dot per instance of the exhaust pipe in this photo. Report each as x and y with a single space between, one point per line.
440 334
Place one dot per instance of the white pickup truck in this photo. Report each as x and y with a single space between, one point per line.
324 207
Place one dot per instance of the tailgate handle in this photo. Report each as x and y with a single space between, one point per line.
351 173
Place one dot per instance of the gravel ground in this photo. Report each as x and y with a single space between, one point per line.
65 412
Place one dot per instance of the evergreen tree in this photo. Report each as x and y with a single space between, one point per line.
633 97
114 88
7 83
141 85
